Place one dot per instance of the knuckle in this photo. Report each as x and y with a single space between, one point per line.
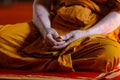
47 35
54 43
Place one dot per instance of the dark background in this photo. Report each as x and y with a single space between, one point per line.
15 11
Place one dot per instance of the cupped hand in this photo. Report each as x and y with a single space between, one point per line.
70 37
52 38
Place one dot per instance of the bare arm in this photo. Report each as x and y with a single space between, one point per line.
41 9
106 25
41 15
41 19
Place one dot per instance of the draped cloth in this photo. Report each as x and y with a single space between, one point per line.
22 47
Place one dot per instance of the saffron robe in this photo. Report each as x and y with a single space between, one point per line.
22 46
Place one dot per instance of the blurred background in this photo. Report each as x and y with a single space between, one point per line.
15 11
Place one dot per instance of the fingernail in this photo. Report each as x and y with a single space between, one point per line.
59 39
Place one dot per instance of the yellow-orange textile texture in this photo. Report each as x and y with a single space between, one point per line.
22 47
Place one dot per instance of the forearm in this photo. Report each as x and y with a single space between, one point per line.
106 25
41 17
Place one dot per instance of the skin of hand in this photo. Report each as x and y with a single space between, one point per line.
106 25
41 19
52 38
70 37
41 14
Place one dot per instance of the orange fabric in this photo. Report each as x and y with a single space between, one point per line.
20 46
74 17
115 35
86 3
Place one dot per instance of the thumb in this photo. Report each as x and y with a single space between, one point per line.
66 37
55 35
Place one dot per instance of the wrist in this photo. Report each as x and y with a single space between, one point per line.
90 32
84 32
87 33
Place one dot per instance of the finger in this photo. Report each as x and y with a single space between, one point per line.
55 35
60 43
59 47
66 37
59 39
70 40
64 45
51 39
54 42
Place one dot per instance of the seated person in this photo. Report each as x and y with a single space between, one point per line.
64 35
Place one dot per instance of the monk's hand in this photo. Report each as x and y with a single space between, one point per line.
51 38
70 37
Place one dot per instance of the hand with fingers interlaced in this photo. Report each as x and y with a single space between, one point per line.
51 38
70 37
